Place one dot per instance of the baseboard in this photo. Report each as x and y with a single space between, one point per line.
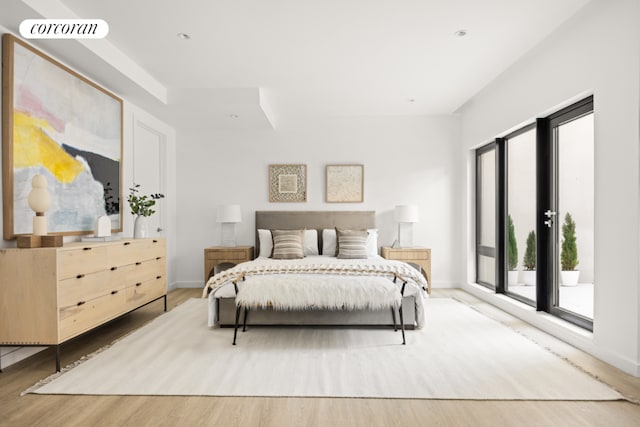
189 284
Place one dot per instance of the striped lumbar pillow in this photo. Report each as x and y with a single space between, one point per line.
287 244
352 244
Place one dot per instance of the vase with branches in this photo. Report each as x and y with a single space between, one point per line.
141 205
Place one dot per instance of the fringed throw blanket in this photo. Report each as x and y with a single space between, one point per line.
318 265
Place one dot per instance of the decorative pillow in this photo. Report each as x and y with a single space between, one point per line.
310 242
372 242
352 244
287 244
329 242
266 243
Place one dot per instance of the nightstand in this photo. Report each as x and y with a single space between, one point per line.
419 256
215 255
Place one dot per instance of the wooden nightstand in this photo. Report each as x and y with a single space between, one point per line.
419 256
215 255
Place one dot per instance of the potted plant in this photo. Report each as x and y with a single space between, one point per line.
569 253
512 255
141 206
529 260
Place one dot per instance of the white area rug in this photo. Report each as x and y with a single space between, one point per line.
460 354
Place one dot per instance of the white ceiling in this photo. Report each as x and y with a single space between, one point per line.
269 60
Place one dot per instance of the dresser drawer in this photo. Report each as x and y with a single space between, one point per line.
81 260
79 318
407 254
89 286
132 250
142 271
143 292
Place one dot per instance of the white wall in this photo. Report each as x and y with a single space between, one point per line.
597 51
406 160
12 355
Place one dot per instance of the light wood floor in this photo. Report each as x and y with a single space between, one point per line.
38 410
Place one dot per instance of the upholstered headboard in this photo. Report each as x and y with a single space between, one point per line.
319 220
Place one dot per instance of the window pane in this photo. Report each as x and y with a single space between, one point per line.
521 206
487 199
487 269
575 196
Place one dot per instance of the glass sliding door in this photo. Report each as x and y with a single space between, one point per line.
534 214
573 145
521 214
486 216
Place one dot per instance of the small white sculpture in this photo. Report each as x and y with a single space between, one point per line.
102 227
39 201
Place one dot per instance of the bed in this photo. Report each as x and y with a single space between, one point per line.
320 288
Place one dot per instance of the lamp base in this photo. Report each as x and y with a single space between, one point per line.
405 234
228 234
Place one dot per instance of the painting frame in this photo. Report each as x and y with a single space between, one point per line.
344 183
75 127
287 183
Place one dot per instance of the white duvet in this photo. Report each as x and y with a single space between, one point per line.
318 282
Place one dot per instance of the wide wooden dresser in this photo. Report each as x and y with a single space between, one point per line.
51 295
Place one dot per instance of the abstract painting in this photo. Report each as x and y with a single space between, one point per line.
58 124
287 183
344 183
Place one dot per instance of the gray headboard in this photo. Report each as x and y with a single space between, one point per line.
294 220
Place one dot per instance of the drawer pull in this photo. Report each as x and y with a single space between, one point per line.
158 257
138 262
79 276
86 249
127 243
139 284
158 277
80 303
155 241
114 268
114 292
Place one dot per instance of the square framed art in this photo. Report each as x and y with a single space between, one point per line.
345 183
288 183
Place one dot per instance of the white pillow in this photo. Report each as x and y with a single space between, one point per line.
266 243
310 244
329 242
372 242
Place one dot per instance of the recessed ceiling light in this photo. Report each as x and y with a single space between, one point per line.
234 116
460 33
412 100
183 36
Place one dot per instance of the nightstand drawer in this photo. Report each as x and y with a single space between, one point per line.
407 254
228 254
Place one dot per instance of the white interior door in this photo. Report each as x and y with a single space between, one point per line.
149 165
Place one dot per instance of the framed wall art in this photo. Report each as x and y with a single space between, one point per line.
287 183
58 124
345 183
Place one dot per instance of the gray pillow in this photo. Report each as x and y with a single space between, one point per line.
352 244
287 244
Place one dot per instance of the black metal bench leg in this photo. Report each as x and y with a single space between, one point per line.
244 322
402 324
393 315
57 358
235 331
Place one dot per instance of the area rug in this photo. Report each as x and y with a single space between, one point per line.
459 354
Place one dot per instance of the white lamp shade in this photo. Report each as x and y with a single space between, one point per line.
229 213
406 213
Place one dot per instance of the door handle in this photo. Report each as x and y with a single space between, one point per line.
550 214
549 223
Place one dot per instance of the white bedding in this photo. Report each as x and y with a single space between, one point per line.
319 282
